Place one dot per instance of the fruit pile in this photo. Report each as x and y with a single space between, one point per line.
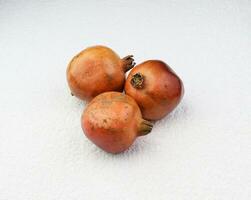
112 120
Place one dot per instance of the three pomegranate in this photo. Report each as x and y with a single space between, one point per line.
113 120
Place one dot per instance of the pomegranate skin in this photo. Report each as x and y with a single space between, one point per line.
112 121
155 87
95 70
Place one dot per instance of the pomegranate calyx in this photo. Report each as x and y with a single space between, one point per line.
128 62
145 127
137 81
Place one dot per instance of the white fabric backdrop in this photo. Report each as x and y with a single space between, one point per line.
200 151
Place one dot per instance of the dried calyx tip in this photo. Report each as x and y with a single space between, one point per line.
137 80
128 62
145 127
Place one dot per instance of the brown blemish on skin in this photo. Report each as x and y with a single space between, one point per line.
106 102
104 120
112 130
164 101
119 98
109 77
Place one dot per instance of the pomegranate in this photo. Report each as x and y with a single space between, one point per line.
155 87
95 70
113 120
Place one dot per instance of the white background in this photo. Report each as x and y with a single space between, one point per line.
202 151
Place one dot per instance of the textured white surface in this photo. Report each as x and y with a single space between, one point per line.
201 151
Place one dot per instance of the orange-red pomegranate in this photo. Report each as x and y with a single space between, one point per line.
95 70
155 87
113 120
